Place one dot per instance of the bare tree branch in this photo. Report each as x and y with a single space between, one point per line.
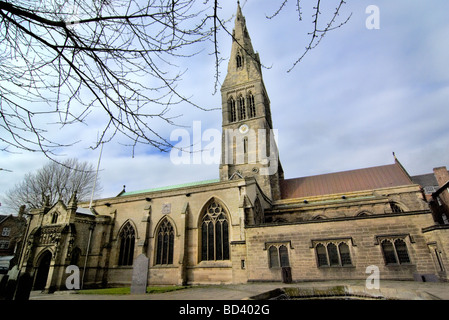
65 62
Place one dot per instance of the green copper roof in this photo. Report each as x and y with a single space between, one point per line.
190 184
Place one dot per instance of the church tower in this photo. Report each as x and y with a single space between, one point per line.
248 139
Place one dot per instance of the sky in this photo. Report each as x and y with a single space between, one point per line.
360 95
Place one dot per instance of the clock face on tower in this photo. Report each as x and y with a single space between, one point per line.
243 128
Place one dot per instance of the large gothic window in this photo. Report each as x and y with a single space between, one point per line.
165 243
214 233
242 109
233 113
127 239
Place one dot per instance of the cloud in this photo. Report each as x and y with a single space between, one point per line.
357 97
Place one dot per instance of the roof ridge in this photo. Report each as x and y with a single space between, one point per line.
343 171
188 184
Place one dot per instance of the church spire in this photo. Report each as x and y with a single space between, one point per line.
244 62
247 125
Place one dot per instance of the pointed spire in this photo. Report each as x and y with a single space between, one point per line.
243 59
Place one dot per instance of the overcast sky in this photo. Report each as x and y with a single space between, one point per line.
352 101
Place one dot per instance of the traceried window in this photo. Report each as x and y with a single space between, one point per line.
165 243
233 113
251 106
241 108
127 239
278 256
215 233
395 251
333 253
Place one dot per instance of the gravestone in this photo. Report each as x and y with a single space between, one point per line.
140 275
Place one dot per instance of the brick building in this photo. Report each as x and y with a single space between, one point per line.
12 229
251 222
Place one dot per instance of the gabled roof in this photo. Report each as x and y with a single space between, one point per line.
3 217
346 181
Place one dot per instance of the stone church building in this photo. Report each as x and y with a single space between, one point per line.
251 223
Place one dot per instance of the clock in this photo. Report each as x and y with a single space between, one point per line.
243 128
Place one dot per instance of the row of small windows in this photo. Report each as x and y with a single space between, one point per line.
337 254
243 109
331 254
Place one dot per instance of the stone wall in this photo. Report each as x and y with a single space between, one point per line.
363 237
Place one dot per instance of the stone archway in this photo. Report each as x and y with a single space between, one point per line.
43 267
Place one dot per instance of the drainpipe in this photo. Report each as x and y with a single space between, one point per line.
91 229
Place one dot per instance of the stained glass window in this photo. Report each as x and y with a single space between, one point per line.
215 233
165 243
127 238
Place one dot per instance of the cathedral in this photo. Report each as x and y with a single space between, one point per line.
251 224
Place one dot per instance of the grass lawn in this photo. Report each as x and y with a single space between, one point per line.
127 290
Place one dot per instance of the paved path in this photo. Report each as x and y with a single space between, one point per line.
401 289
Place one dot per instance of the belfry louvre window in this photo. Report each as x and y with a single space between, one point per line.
278 256
233 113
165 243
332 253
214 233
395 251
242 109
127 239
251 106
239 61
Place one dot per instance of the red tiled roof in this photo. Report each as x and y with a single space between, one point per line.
345 181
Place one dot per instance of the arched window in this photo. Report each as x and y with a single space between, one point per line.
127 238
239 60
395 251
333 253
388 250
233 113
344 254
322 255
165 243
242 109
274 258
214 233
283 256
401 251
251 106
278 256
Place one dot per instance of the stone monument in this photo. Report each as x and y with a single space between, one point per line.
140 275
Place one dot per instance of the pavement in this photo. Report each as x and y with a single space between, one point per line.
407 290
